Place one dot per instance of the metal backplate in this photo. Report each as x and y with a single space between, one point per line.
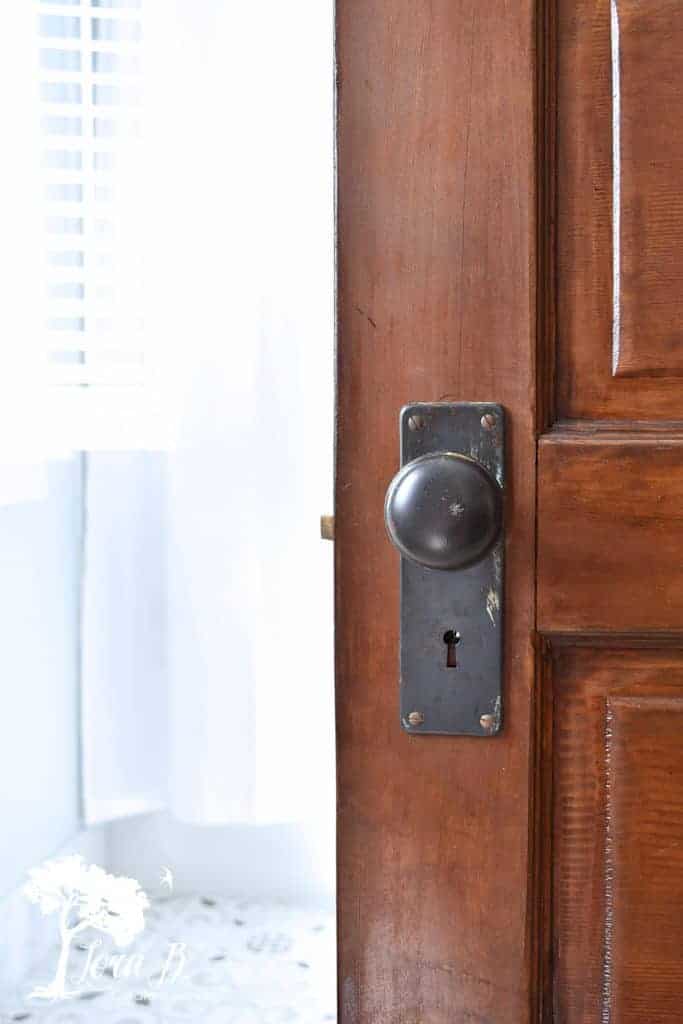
454 615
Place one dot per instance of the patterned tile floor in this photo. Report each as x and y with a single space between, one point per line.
245 963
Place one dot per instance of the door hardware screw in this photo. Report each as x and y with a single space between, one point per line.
416 718
416 422
488 421
487 722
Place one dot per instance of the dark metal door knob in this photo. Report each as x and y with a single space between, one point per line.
443 510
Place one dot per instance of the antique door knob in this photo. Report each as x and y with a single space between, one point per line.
443 510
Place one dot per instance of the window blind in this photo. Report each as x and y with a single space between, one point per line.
91 124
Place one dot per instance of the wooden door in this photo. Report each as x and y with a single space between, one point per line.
511 230
610 522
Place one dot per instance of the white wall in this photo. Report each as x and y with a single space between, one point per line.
284 863
124 659
40 564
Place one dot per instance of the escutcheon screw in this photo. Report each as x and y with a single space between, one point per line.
416 422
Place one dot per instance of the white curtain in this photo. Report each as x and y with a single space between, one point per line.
22 434
207 668
123 636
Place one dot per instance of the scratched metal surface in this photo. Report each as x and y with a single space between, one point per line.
451 700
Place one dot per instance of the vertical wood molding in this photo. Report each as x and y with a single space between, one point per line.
609 869
436 299
546 216
616 184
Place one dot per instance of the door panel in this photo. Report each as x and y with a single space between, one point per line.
435 299
538 875
610 530
618 835
610 533
647 40
619 280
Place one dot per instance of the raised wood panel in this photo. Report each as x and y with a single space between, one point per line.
644 857
610 534
647 44
619 349
617 889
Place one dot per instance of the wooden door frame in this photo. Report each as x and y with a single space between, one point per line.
437 297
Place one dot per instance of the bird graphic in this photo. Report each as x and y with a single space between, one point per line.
167 878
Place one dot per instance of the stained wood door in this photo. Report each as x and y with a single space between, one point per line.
610 531
511 230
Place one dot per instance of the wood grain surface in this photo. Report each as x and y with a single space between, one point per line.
618 835
610 533
610 525
436 299
640 378
650 200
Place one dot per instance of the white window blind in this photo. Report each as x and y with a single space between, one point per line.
100 366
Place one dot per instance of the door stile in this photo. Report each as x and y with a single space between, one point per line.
437 299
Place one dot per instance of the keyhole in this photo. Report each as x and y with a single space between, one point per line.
451 638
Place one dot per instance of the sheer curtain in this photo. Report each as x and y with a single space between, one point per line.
22 434
208 611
